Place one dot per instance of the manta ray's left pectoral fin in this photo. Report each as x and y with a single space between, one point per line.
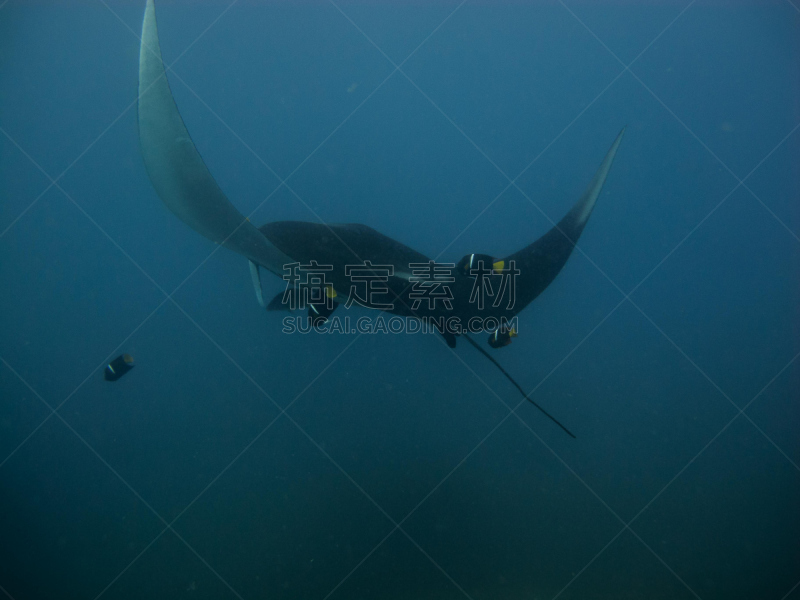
176 169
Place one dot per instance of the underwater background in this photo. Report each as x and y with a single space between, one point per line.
235 461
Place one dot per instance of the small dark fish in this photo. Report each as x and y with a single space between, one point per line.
118 367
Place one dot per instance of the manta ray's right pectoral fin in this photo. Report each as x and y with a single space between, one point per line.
541 261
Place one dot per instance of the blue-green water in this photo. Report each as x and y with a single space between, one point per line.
668 344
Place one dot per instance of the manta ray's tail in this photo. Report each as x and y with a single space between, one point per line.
516 385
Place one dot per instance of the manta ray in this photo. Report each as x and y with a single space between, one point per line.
188 189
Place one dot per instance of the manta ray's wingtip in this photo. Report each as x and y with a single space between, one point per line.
617 141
